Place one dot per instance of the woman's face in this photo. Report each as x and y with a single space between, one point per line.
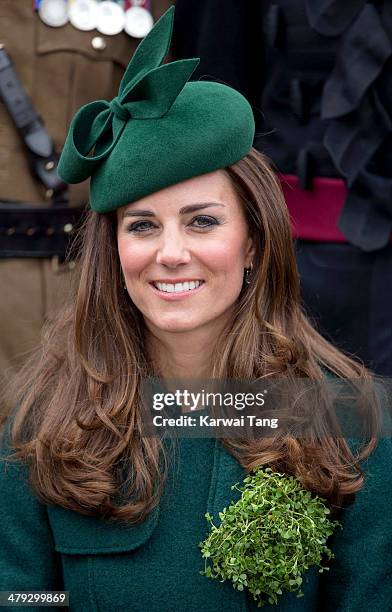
183 251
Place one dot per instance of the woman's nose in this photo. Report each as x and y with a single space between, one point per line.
172 250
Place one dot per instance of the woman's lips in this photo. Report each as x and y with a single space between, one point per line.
173 296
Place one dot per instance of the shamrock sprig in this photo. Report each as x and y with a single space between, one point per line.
269 537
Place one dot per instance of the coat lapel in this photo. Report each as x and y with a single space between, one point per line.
225 473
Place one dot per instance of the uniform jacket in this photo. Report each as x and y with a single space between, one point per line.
61 69
155 565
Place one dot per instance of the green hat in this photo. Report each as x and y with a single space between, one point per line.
158 131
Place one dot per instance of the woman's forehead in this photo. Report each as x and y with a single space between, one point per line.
214 188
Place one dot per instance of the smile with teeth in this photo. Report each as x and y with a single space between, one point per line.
177 287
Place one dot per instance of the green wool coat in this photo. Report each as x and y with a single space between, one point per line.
155 566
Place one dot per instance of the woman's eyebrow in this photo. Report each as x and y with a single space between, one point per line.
184 210
198 206
139 213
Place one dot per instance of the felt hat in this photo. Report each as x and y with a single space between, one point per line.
159 130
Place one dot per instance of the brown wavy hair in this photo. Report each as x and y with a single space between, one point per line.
78 423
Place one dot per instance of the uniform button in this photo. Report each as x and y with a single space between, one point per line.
98 43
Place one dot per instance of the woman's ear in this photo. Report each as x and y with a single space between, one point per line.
250 252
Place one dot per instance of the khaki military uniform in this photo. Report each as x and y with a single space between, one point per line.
60 69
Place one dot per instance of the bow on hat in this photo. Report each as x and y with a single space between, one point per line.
147 91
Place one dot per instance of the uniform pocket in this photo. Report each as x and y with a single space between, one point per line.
68 39
74 67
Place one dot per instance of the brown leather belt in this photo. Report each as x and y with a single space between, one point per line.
27 230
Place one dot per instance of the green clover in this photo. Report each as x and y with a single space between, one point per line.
274 533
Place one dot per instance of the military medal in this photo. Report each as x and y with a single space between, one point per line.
53 13
138 20
110 17
83 14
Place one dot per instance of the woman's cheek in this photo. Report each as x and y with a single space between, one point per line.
226 256
133 258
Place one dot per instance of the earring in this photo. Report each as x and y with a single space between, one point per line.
248 273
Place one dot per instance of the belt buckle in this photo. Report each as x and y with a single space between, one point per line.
59 266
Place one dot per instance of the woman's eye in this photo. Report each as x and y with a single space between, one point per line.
201 221
204 221
140 226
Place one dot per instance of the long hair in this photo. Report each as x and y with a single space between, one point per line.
78 423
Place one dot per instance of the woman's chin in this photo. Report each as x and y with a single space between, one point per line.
176 325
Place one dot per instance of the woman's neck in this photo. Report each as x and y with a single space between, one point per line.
181 355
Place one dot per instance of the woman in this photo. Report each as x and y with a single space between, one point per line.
187 271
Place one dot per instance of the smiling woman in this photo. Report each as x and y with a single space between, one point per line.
183 262
187 270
